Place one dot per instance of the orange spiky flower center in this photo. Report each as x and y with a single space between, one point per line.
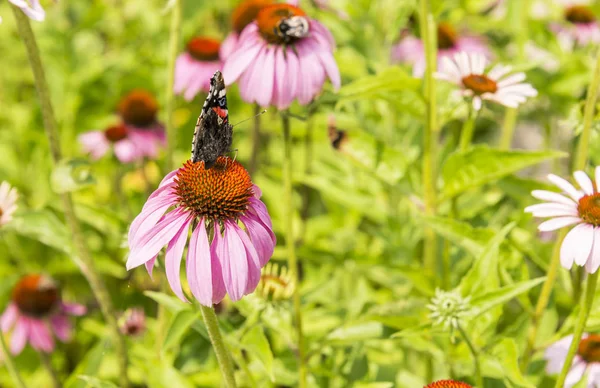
221 192
589 348
269 17
246 12
115 133
579 14
480 84
36 295
138 108
446 36
204 49
589 209
448 384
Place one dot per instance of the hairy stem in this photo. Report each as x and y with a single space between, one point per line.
216 339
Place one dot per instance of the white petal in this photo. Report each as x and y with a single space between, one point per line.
477 103
557 223
585 240
565 186
594 260
545 195
551 210
584 182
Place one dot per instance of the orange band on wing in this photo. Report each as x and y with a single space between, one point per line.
220 112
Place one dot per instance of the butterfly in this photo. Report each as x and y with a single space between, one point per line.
295 27
213 133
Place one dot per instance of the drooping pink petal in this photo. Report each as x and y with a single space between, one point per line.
173 259
9 317
261 237
234 264
199 271
152 212
254 264
217 250
265 91
19 335
94 143
61 326
40 336
258 207
126 151
150 265
75 309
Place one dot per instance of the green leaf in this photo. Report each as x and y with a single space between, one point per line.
507 356
473 240
180 324
94 382
89 366
359 332
392 79
71 175
173 304
500 296
481 165
43 226
255 342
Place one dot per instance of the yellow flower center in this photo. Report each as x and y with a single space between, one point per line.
589 348
204 49
270 17
448 384
446 36
221 192
589 209
115 133
579 14
138 108
480 84
36 295
246 12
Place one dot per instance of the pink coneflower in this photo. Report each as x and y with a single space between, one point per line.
242 15
123 141
587 360
581 208
448 384
138 110
36 312
133 322
194 67
580 26
410 48
222 257
282 56
8 202
31 8
498 85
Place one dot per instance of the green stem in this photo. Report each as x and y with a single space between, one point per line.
10 364
256 141
174 38
508 128
475 354
45 358
430 135
291 242
240 360
579 327
216 339
82 257
466 134
588 117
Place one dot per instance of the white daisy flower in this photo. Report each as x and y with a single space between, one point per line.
579 207
498 85
8 202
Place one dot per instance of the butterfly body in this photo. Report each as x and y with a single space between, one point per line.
213 134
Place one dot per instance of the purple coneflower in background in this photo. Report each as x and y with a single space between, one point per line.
196 65
242 15
222 257
410 48
36 312
587 360
122 140
579 27
581 208
467 71
8 202
133 322
275 69
31 8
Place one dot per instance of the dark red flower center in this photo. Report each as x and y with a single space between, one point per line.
589 209
589 348
480 84
270 17
138 108
246 12
448 384
115 133
204 49
579 14
36 295
221 192
446 36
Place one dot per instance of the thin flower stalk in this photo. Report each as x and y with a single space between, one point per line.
47 363
8 361
468 129
216 339
508 128
83 258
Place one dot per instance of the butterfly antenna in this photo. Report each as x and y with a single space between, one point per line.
256 115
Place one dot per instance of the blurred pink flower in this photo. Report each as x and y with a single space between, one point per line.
580 26
37 314
126 143
8 202
222 257
587 360
242 15
581 208
410 48
467 71
31 8
133 322
282 56
194 67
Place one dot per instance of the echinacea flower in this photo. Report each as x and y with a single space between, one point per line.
123 141
196 65
449 308
31 8
8 202
282 56
242 15
276 282
410 48
579 27
222 257
467 71
138 110
448 384
37 314
587 360
133 322
579 207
